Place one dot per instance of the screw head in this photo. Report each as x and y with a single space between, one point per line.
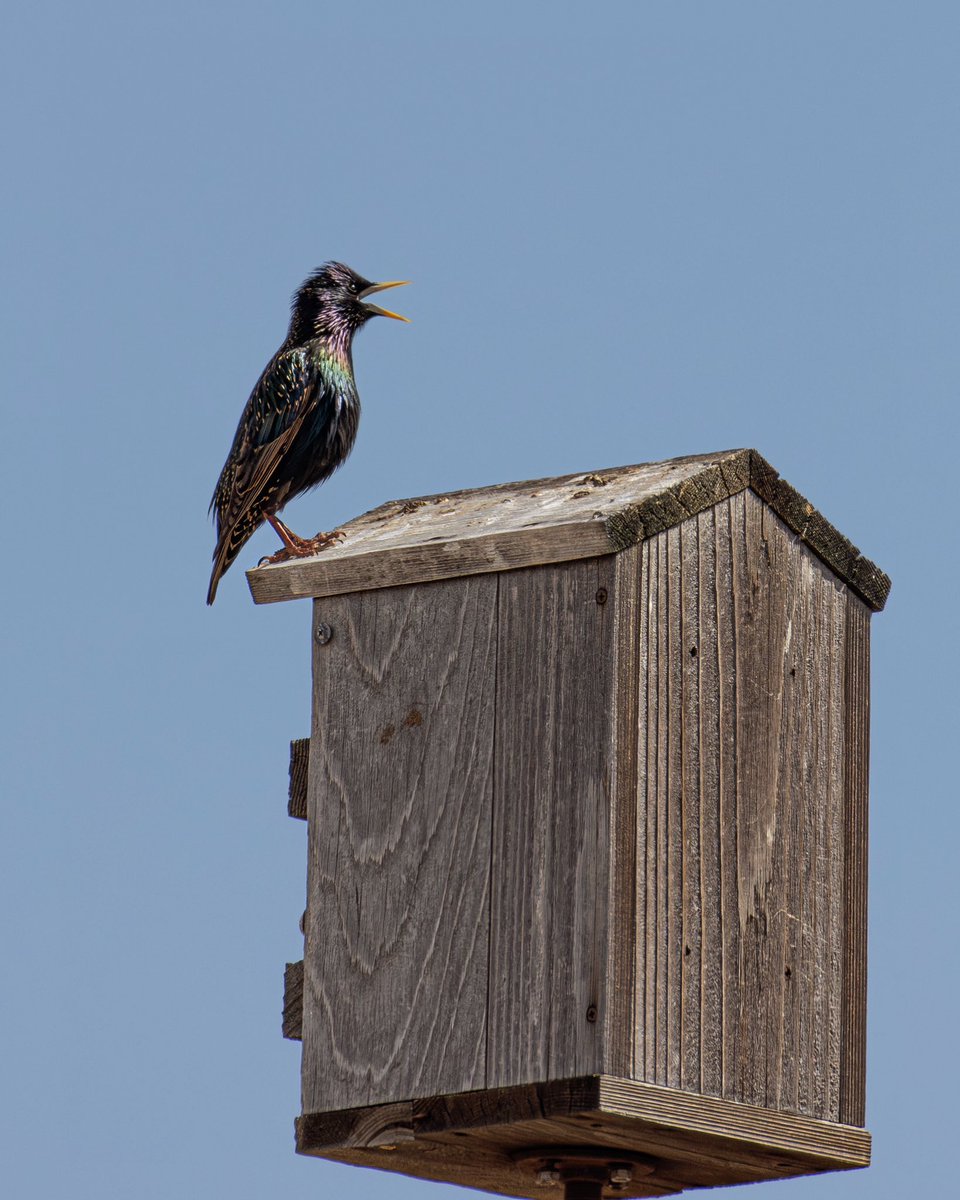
547 1176
620 1175
323 634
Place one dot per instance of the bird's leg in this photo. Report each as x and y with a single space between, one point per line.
297 547
285 534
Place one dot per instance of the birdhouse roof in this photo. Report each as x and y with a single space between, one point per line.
539 521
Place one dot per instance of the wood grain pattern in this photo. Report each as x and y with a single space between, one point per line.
857 764
299 772
549 781
494 529
775 1132
740 819
697 1141
292 1023
383 1125
552 778
619 1013
552 520
400 797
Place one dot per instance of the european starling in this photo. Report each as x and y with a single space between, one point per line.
301 420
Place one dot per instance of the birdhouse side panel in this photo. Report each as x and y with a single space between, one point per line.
742 898
399 814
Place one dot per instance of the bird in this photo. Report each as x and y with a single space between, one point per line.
300 421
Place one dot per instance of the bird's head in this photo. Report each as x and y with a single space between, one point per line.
330 304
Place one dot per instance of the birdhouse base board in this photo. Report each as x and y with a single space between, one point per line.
490 1140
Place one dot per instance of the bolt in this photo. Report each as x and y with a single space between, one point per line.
323 634
548 1176
620 1174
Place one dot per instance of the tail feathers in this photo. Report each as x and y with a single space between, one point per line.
230 541
228 547
219 566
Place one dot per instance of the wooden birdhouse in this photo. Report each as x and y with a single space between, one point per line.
586 796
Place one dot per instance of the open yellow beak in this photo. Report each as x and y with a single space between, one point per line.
375 309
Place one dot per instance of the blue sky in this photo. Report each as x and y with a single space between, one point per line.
636 230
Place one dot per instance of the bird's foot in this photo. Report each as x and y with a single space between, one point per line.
299 547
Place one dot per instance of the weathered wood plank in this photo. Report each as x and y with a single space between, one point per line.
691 852
552 520
702 779
816 775
336 571
661 812
645 1054
856 692
621 1010
674 823
551 832
761 608
378 1125
292 1023
831 547
780 1133
798 812
400 797
299 771
729 518
696 1141
497 528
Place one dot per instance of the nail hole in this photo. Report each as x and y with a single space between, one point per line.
693 652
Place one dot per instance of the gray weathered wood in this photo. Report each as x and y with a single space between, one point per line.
299 771
856 770
739 827
620 1012
696 1141
400 793
552 520
292 1023
548 926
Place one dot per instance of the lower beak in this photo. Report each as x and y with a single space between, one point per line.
375 309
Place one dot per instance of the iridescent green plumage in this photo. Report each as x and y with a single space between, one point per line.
300 421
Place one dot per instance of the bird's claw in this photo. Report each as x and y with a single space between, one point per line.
335 535
304 547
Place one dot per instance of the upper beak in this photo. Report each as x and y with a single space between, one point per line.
382 287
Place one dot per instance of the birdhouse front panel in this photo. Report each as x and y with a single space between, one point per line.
461 765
